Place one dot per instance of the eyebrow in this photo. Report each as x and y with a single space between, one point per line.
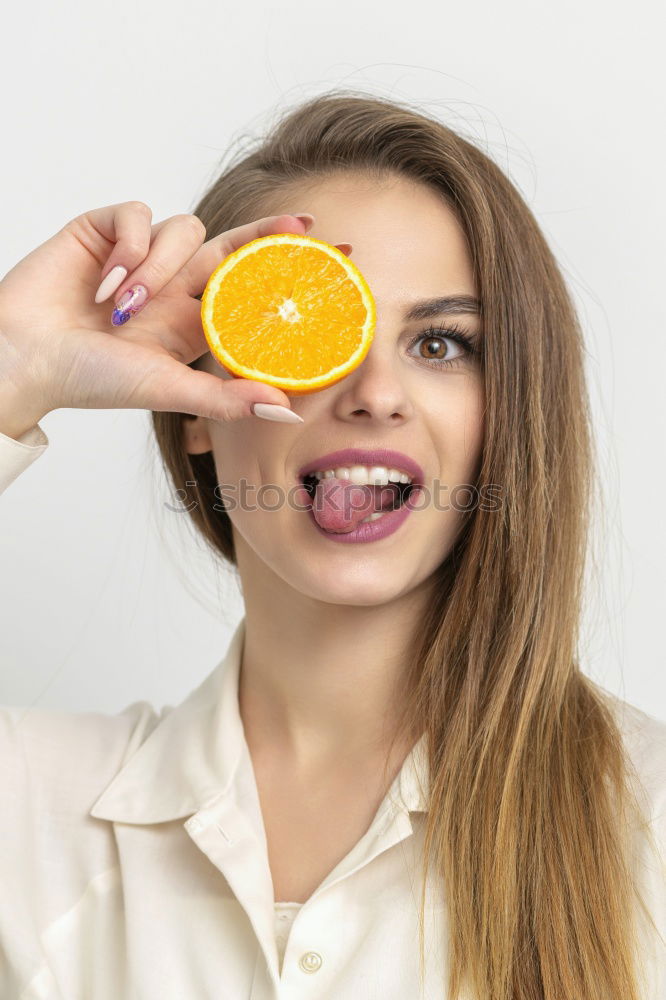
441 306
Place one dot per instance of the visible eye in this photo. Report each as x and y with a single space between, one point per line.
438 352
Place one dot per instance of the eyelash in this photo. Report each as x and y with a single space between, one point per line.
452 332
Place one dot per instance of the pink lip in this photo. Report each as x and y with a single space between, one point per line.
372 531
361 456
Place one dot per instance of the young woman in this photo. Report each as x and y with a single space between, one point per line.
398 782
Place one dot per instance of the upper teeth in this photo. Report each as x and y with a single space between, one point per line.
365 475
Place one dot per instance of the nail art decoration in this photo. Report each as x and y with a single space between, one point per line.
129 304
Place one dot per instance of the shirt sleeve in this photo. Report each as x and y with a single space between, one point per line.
16 454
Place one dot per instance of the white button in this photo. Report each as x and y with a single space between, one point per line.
310 961
194 825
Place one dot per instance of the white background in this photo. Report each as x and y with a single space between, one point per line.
106 596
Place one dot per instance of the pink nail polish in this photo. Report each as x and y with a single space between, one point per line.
129 304
306 219
113 280
272 411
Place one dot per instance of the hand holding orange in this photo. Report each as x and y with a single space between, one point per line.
291 311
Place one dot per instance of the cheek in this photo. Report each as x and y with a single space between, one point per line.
458 428
232 470
472 444
246 477
238 447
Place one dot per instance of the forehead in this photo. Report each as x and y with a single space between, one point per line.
407 240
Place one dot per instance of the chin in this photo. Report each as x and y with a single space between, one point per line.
362 586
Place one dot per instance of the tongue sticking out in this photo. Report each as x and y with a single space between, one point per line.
339 505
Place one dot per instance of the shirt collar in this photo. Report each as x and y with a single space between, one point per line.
192 755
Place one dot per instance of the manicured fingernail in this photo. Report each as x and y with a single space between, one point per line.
113 280
270 411
345 248
129 304
305 218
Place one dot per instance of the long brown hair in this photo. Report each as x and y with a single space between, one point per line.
530 804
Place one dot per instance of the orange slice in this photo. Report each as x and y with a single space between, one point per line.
290 311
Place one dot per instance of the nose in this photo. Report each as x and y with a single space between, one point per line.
376 390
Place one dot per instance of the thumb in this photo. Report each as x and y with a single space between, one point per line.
175 387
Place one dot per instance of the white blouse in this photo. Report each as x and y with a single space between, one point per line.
284 918
134 864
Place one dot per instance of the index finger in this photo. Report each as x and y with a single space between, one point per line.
195 273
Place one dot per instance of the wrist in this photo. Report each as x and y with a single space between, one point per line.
17 412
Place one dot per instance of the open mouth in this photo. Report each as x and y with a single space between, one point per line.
402 491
